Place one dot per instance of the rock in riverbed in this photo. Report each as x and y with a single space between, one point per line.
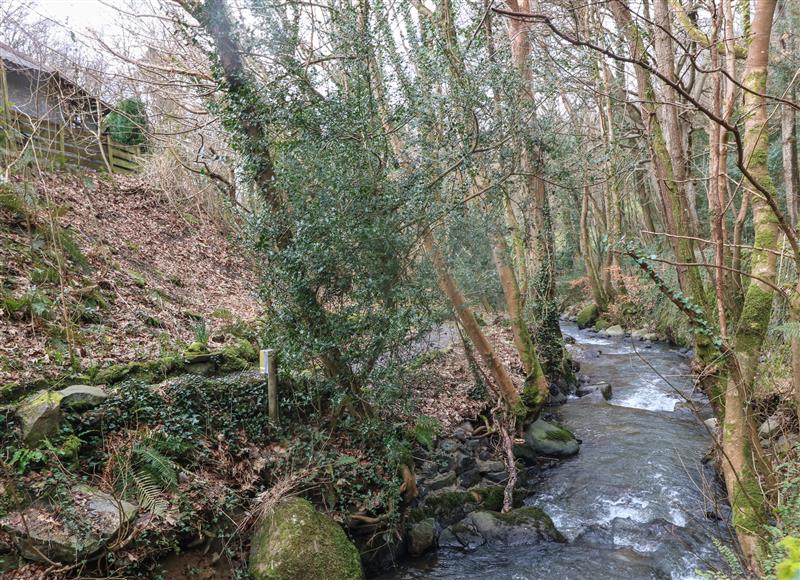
602 387
422 536
519 527
543 438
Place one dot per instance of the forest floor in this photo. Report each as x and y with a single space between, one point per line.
114 267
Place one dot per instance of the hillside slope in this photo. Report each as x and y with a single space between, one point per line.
114 269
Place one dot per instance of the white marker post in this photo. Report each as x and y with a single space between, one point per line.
269 366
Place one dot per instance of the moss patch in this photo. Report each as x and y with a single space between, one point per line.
588 316
295 542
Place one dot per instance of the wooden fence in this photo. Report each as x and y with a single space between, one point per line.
39 143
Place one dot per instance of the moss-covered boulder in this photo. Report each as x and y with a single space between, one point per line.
295 542
422 536
588 316
543 438
524 526
81 397
601 324
39 416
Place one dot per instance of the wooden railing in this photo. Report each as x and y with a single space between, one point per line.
44 144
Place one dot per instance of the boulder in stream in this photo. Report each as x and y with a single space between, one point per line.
602 388
523 526
422 536
615 330
543 438
588 316
294 541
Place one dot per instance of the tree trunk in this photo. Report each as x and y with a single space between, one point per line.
536 391
464 313
666 155
599 294
789 142
543 284
739 466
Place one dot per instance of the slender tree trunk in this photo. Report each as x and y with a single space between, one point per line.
536 391
645 203
599 294
518 246
790 174
450 288
666 154
716 189
543 274
741 457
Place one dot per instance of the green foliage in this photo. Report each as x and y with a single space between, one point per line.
160 467
789 568
138 278
127 123
188 408
24 458
789 329
699 325
33 303
784 554
201 332
426 429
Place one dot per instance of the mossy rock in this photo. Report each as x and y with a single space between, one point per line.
40 416
197 347
588 316
295 542
11 391
82 397
548 439
519 527
450 506
239 356
157 369
115 373
601 324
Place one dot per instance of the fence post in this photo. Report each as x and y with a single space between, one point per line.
63 160
269 366
110 154
8 142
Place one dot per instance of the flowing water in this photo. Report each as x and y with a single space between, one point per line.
637 501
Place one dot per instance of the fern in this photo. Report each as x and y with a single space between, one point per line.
149 494
146 475
159 466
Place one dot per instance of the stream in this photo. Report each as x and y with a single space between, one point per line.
637 501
